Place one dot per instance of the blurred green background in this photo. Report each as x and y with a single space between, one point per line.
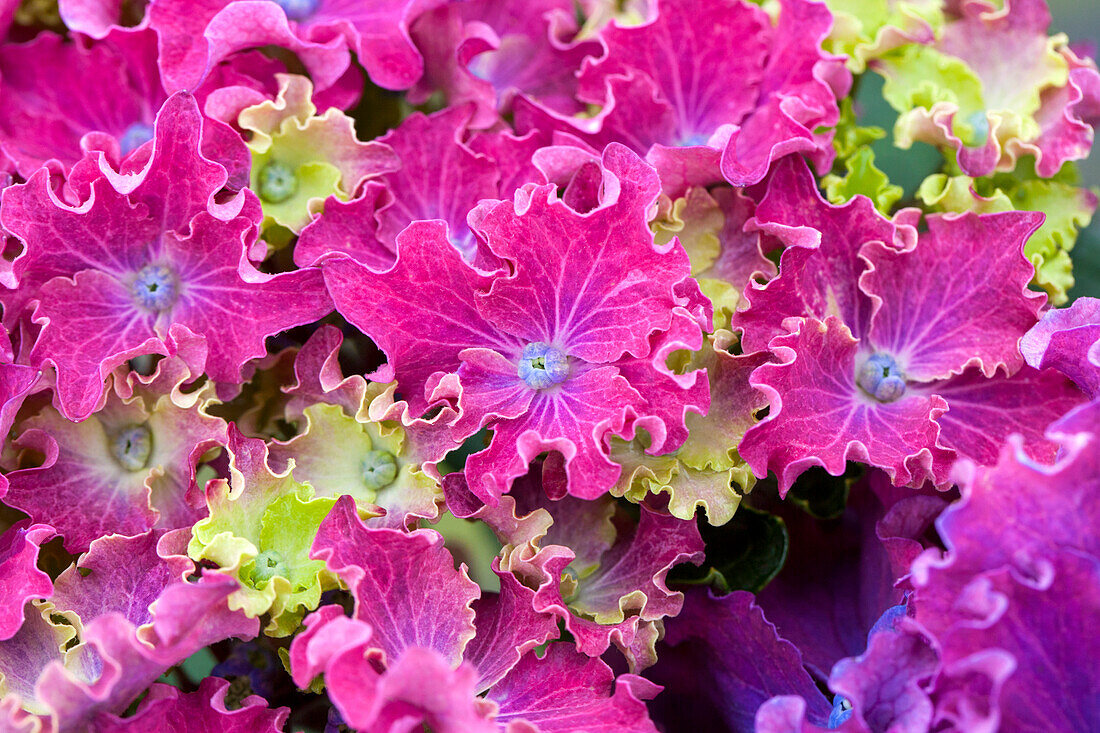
1078 19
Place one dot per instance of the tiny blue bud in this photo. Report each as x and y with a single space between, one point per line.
693 139
881 378
132 447
155 288
842 710
277 183
979 122
134 137
298 9
269 563
542 365
379 469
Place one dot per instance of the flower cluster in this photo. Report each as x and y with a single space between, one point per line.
555 365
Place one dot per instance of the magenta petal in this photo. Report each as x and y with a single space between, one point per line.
721 660
92 303
94 18
202 711
958 299
194 35
685 52
507 627
886 685
50 106
1068 339
440 177
797 95
378 32
349 227
1017 511
572 421
423 335
984 412
405 584
187 617
819 417
16 382
487 51
819 273
123 575
19 573
595 284
419 687
1021 649
565 691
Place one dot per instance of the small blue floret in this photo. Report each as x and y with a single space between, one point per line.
842 710
298 9
132 447
277 182
379 469
881 377
542 365
155 288
134 137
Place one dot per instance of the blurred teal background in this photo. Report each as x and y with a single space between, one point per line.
1078 19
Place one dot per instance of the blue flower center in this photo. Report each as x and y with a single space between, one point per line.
542 365
379 469
979 123
298 9
155 288
134 137
695 138
132 447
842 710
269 563
881 377
277 183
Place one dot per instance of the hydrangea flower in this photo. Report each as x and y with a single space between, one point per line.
696 111
893 348
552 355
111 627
598 572
299 158
144 260
128 468
956 93
259 532
421 620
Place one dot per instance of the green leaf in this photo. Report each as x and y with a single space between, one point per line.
743 555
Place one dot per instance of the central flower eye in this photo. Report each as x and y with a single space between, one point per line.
379 469
277 182
132 447
542 365
134 137
269 563
155 288
881 378
298 9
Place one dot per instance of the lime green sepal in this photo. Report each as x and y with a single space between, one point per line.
284 521
863 178
865 29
